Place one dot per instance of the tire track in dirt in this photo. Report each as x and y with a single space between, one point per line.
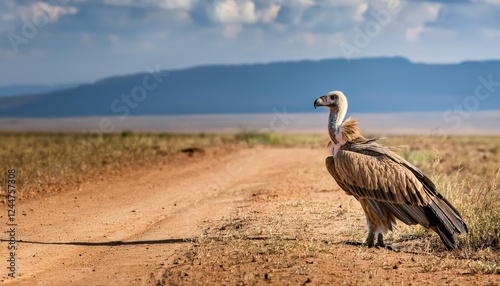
165 205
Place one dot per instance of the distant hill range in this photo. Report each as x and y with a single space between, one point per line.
372 85
11 90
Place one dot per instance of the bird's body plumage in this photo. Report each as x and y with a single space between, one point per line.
387 186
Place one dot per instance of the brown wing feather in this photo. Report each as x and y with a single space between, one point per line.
370 171
378 178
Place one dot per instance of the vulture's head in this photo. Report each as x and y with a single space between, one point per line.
334 100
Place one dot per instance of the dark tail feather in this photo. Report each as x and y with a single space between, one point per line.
445 236
452 218
450 221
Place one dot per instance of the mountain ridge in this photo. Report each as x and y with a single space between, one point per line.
27 89
392 84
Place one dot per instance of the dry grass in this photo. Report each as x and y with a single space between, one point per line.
286 140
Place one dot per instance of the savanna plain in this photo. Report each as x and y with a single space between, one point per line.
234 209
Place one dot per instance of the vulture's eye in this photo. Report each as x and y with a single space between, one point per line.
332 97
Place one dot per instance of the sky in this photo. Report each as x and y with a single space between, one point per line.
78 41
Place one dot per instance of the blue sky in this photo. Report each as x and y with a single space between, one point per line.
75 41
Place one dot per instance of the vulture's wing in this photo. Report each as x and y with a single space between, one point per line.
370 171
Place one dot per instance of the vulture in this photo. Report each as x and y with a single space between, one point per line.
387 186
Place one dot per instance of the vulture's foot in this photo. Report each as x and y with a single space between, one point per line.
380 242
370 241
386 246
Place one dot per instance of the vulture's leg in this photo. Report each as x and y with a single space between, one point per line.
370 239
378 220
370 223
380 242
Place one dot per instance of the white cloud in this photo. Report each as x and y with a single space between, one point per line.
13 15
236 15
413 34
42 9
418 13
225 11
359 12
413 19
248 13
296 3
164 4
176 4
231 11
270 14
339 3
331 19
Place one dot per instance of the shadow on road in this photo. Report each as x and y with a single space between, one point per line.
111 243
139 242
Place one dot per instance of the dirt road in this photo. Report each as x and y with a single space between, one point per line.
173 224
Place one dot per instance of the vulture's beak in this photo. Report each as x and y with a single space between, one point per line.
319 102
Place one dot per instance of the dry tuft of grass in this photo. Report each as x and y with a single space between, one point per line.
253 138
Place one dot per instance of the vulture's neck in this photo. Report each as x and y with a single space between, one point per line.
334 123
341 131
